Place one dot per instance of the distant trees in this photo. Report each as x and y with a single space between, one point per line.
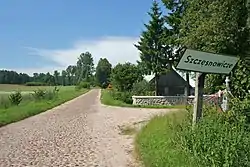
103 71
72 75
64 78
12 77
56 77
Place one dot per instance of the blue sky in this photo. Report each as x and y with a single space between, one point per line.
45 35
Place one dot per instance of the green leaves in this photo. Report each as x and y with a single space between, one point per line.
103 71
240 79
15 98
85 66
219 27
125 75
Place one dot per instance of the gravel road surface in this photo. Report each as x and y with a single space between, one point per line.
81 132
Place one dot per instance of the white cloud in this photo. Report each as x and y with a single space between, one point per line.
115 49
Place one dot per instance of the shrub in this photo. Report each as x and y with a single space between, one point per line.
52 94
126 97
239 109
15 98
81 85
39 94
35 84
141 88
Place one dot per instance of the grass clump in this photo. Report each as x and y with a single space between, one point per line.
219 139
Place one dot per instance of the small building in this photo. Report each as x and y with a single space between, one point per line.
172 84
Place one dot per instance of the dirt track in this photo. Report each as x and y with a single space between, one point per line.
81 132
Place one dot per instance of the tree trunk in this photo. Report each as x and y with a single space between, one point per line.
187 92
156 84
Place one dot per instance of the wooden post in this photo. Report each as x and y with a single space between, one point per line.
199 86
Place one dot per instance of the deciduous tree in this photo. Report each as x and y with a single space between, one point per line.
219 27
123 76
56 77
103 71
85 66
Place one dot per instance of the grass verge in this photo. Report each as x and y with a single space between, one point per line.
154 143
107 99
30 108
12 87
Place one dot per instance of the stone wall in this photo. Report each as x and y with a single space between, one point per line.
163 100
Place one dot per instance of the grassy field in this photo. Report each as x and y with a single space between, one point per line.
12 87
107 99
29 107
154 143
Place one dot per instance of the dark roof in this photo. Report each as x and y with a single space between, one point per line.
171 78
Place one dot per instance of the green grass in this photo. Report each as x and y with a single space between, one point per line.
154 143
30 108
26 91
12 87
107 99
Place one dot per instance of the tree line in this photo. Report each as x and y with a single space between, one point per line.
83 71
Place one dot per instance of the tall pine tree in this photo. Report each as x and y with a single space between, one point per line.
173 18
153 52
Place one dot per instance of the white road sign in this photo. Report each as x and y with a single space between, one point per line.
198 61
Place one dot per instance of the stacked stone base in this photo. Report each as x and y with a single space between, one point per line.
171 100
162 100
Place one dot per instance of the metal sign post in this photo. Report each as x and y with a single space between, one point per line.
203 63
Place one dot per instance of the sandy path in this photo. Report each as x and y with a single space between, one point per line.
81 132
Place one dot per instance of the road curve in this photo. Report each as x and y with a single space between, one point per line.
81 132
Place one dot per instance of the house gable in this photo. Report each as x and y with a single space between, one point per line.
171 84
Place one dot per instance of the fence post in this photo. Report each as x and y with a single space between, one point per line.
226 96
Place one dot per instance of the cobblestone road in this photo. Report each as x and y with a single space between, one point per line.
81 132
